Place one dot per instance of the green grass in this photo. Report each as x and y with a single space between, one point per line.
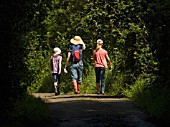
26 112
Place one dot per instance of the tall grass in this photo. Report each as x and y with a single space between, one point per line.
115 83
149 94
89 83
26 112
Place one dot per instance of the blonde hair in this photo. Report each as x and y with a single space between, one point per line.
99 45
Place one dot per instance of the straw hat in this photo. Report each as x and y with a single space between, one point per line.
57 50
76 40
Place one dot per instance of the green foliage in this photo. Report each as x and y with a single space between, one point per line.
135 34
140 85
150 96
115 83
29 111
125 35
89 82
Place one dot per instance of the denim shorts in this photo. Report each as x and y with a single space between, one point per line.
76 70
56 77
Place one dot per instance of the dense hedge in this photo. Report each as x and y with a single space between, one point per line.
135 34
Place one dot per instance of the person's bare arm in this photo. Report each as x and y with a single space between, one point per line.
68 58
83 46
108 60
59 72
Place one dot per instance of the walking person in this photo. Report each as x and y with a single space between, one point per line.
76 63
101 58
55 62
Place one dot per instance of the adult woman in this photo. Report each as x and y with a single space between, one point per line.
101 58
75 58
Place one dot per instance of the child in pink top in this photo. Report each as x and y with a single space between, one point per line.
101 58
55 61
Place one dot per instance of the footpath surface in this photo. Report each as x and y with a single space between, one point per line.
92 110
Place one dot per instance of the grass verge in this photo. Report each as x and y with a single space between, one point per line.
26 112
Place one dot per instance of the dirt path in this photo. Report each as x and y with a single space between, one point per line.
93 110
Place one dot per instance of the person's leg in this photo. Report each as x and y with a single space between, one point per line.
58 84
55 83
102 74
74 76
58 75
78 88
79 80
75 86
97 73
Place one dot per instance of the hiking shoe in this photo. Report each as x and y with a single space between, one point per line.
76 93
98 92
57 93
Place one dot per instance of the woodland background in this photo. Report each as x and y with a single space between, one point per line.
136 34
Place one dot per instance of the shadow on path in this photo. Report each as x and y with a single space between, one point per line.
93 110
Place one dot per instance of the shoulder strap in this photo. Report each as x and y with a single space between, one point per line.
73 48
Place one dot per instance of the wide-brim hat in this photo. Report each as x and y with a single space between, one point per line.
76 40
57 50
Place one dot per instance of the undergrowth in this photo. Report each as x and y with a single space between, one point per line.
26 112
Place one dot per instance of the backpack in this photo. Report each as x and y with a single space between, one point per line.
76 53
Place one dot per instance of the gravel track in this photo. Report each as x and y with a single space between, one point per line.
92 110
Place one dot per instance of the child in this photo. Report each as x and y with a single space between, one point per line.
56 68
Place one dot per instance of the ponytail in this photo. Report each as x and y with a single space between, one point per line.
99 45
